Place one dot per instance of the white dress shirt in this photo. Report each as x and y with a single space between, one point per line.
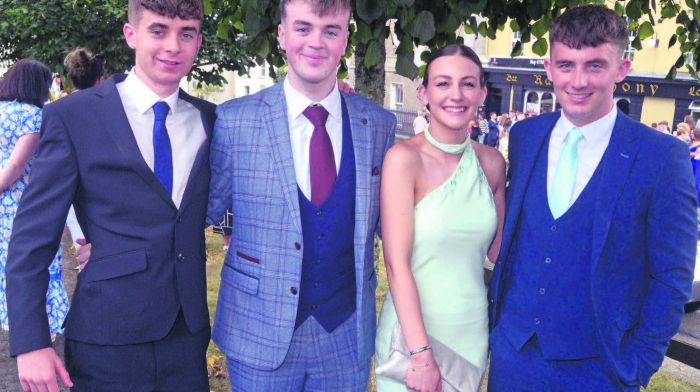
300 130
184 124
596 137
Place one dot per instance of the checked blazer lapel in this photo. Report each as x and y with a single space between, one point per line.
275 121
363 144
617 163
111 110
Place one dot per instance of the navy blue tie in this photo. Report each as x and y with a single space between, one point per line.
162 152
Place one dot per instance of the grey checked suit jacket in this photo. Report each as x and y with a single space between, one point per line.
253 175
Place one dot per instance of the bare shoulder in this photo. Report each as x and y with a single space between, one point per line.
492 163
402 156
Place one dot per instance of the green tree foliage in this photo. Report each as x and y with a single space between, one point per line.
240 32
434 23
47 29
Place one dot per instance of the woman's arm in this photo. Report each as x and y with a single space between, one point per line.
397 204
19 158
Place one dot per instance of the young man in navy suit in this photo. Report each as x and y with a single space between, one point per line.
132 156
588 288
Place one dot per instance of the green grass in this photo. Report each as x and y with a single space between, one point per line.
662 381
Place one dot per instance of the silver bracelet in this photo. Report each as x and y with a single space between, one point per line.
419 350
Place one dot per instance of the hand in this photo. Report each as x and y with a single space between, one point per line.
38 369
344 87
423 374
82 255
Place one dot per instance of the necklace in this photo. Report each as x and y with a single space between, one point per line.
448 148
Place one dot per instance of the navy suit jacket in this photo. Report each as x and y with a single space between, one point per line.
644 240
148 257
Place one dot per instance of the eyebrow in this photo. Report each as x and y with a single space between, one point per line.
156 25
302 23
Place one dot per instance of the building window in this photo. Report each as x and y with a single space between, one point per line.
532 102
246 90
547 103
629 49
517 36
623 104
694 108
397 96
263 70
540 102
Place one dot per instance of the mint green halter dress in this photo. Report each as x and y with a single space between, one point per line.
453 227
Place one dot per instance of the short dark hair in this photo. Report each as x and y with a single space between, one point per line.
320 7
455 50
83 68
589 26
183 9
26 81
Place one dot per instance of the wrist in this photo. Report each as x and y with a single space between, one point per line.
422 357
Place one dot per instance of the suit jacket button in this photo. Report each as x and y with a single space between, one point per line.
179 219
297 245
364 121
293 290
180 257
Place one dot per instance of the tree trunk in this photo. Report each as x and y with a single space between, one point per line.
370 82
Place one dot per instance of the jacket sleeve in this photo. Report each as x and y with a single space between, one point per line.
220 156
671 247
36 234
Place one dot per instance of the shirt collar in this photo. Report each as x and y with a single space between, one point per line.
298 102
143 97
594 133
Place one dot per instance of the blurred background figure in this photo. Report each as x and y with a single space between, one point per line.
663 126
420 122
683 132
84 70
695 159
23 91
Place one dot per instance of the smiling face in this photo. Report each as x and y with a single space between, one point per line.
165 49
584 79
453 92
314 45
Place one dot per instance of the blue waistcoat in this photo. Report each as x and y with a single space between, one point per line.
548 289
327 290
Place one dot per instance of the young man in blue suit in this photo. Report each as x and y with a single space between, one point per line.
298 165
600 231
132 156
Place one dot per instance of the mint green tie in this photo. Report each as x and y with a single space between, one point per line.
565 176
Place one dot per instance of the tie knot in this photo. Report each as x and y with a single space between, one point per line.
160 110
317 114
575 135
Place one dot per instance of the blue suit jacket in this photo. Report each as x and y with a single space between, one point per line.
253 175
644 240
147 256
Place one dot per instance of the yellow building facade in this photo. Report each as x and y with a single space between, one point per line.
521 83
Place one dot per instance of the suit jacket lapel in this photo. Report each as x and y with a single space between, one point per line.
363 146
529 150
616 164
201 160
111 110
275 121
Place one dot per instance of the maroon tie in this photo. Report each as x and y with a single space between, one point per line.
321 159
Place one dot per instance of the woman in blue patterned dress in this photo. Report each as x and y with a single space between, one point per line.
23 91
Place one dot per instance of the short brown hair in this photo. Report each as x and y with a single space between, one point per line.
320 7
589 26
183 9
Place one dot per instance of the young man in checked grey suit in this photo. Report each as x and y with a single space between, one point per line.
298 165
